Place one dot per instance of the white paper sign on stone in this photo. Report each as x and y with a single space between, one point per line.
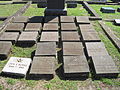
17 66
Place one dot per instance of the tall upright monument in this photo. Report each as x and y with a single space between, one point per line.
55 8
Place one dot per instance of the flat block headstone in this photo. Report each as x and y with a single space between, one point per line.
21 19
73 48
51 19
67 19
96 48
41 4
68 27
118 9
107 10
43 67
75 66
36 19
90 36
15 27
49 36
5 48
46 48
50 27
83 19
9 36
104 66
71 5
27 39
33 27
17 66
117 21
70 36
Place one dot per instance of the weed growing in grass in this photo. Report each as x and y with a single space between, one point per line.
11 81
1 87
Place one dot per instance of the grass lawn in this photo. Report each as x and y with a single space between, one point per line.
7 10
115 15
115 28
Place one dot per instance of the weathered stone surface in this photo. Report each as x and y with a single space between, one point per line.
82 19
68 27
9 36
50 27
36 19
15 27
21 19
49 36
107 10
70 36
87 27
104 66
51 19
75 66
33 27
46 48
90 36
73 48
27 39
17 66
71 5
42 66
96 48
67 19
5 48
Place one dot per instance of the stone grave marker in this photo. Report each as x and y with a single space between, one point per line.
83 19
50 27
117 21
71 5
5 49
9 36
67 19
36 19
51 19
17 66
107 10
21 19
68 27
118 9
46 49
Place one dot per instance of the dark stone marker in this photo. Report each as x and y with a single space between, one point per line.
36 19
55 7
70 36
96 48
5 48
27 39
15 27
75 66
73 48
90 37
33 27
46 49
50 27
68 27
42 4
82 19
9 36
49 36
104 66
107 10
51 19
42 68
21 19
118 9
67 19
71 5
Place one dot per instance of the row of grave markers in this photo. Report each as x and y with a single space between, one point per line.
77 46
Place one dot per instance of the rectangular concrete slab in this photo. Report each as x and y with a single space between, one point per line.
15 27
96 48
33 27
36 19
70 36
68 27
51 19
67 19
9 36
83 19
50 27
75 66
104 66
46 49
27 39
73 48
21 19
90 37
42 66
49 36
5 48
